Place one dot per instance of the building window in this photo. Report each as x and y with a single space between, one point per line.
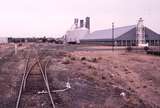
124 43
128 43
156 42
152 42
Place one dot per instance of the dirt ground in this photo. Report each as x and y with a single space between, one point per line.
98 78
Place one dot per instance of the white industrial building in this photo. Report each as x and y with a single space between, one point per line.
3 40
77 32
134 35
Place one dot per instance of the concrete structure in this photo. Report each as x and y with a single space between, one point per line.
87 23
76 33
81 23
3 40
140 33
74 36
124 36
76 22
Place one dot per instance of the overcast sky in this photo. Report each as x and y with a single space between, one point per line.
54 17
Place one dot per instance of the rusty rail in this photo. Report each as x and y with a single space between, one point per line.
46 81
22 83
27 71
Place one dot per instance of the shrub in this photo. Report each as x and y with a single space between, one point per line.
146 48
83 58
129 48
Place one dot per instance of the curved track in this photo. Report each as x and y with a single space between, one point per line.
27 73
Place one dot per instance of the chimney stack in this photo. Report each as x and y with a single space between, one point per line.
81 23
76 22
87 24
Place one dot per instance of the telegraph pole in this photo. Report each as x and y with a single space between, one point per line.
112 36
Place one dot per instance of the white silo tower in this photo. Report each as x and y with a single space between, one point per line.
75 33
140 32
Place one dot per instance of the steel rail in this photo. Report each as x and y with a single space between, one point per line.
45 70
46 82
22 82
27 73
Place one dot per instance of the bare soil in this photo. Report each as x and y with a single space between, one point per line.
98 78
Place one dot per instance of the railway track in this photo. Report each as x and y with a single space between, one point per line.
34 79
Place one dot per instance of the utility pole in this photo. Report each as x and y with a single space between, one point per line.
112 36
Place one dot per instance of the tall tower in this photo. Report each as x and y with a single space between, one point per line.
87 23
76 22
81 23
140 32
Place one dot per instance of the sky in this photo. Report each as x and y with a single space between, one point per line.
52 18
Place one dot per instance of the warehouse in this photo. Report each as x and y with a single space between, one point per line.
124 36
3 40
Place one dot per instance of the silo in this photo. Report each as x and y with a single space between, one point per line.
74 36
87 24
76 22
140 32
81 23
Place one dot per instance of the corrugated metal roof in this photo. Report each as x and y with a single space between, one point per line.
107 33
151 35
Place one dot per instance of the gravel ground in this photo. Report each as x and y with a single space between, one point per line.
99 79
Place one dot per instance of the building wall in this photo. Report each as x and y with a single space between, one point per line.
3 40
128 39
152 38
74 36
107 42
